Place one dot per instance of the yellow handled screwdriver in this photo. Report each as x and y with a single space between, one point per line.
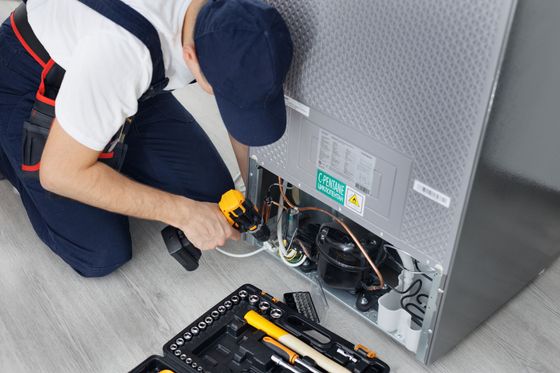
287 354
260 323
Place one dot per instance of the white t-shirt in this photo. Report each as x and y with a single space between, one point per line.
107 68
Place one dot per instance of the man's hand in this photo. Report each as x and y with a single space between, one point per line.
70 169
204 224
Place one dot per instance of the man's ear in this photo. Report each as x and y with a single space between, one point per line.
189 54
191 60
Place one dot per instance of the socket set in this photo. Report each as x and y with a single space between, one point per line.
222 341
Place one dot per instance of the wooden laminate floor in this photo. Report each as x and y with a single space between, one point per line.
54 321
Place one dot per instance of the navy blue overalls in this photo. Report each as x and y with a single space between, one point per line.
167 149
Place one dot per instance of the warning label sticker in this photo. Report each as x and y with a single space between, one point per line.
346 161
330 186
354 200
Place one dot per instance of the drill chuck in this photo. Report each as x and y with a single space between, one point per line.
262 233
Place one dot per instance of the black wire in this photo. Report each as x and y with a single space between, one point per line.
278 185
390 256
417 281
412 295
414 317
417 319
382 256
421 295
418 269
420 309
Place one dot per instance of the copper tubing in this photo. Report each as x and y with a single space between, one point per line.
278 205
284 197
347 229
265 212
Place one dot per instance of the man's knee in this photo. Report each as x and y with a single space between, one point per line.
94 258
92 272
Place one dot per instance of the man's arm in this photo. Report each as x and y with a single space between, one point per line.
242 155
71 170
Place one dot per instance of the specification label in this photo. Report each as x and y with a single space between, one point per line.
345 161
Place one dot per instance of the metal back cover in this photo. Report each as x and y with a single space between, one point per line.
410 82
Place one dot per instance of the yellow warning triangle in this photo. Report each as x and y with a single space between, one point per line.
354 200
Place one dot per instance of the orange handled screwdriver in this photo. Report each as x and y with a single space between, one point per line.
261 323
287 354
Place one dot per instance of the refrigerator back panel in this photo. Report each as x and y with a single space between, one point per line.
388 102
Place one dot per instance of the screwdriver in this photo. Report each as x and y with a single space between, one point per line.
281 363
287 354
261 323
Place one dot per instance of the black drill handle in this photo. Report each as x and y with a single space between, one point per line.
179 247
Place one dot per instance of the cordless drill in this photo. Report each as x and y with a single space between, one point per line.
238 211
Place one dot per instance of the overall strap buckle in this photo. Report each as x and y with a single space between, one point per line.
154 89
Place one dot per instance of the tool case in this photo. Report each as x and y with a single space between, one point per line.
221 341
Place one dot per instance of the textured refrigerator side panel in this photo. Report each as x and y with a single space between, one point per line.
413 75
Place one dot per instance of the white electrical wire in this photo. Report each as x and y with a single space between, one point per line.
246 255
239 183
297 264
281 245
283 252
279 233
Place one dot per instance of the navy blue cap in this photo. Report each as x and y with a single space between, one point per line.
244 49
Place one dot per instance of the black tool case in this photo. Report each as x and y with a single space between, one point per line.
221 341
